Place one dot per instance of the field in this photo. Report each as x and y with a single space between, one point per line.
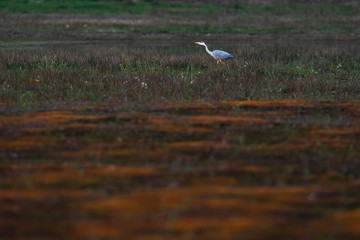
114 125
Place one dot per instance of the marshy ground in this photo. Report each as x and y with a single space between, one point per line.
115 126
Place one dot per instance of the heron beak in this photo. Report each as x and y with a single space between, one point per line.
197 43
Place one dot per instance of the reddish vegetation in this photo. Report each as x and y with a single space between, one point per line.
230 170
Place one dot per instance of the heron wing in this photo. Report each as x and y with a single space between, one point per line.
218 54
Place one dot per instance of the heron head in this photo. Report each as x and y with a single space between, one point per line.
200 43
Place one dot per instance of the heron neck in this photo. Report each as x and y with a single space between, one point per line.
208 51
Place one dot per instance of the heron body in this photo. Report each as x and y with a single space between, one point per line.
218 55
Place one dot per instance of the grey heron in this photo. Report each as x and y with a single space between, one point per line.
218 55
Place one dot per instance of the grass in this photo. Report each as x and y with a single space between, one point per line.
175 169
149 139
52 77
73 19
176 8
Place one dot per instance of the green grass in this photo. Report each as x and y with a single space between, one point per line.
179 17
100 7
178 8
42 77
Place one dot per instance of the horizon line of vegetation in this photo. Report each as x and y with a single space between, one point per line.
148 7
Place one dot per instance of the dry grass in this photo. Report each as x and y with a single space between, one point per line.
215 170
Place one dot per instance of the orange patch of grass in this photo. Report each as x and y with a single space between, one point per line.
336 131
44 174
192 209
54 177
29 143
345 222
97 153
39 194
191 223
116 171
170 124
109 229
229 225
254 169
153 201
273 103
280 193
47 118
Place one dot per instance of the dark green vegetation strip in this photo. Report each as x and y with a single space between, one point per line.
43 77
148 7
91 7
186 17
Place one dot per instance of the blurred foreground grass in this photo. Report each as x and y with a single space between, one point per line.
201 170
